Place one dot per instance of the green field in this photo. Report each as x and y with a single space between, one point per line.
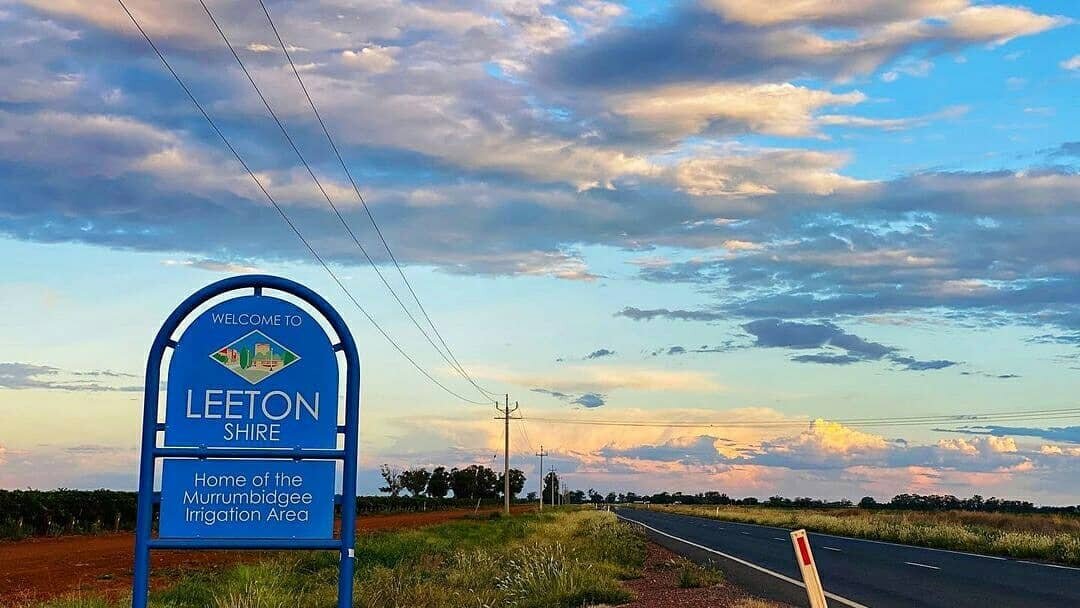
561 559
1052 537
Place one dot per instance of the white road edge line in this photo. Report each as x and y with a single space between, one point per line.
1024 561
922 565
788 579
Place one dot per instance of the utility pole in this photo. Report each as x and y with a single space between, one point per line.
506 411
541 455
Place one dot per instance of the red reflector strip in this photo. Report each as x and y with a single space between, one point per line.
804 551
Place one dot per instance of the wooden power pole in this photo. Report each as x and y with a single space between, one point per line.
541 455
506 411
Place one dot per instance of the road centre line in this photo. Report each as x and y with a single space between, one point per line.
788 579
922 565
832 549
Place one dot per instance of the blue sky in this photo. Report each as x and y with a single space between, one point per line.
744 211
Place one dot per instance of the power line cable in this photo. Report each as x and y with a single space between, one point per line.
326 195
1035 415
281 212
337 153
1066 410
525 435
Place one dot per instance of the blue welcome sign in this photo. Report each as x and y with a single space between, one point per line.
256 372
250 438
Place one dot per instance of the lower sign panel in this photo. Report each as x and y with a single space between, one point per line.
247 499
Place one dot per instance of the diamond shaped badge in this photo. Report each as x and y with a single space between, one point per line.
255 357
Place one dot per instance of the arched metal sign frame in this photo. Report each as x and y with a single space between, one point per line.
151 452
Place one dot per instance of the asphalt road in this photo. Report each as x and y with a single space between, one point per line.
882 575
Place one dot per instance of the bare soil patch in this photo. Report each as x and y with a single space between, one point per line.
659 588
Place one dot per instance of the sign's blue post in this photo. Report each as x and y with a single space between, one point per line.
250 438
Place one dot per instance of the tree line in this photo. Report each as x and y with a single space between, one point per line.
27 513
909 502
474 482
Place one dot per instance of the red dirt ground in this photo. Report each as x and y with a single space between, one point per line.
42 568
658 588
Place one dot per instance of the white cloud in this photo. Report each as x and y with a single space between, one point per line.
212 265
885 24
892 124
738 245
1072 63
776 109
602 378
979 445
114 145
764 172
1056 450
595 15
376 59
95 144
178 20
842 12
918 68
998 24
834 438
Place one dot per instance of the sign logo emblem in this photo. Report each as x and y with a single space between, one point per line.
255 357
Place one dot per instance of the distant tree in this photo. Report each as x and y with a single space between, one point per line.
438 485
575 497
474 481
517 482
868 502
414 480
392 477
595 497
551 485
461 483
245 358
611 497
531 497
662 498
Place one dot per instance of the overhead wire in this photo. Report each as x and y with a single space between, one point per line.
329 200
525 435
926 420
284 216
371 217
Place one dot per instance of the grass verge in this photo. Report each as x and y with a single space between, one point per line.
561 559
1054 538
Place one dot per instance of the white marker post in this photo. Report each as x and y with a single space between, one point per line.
805 558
